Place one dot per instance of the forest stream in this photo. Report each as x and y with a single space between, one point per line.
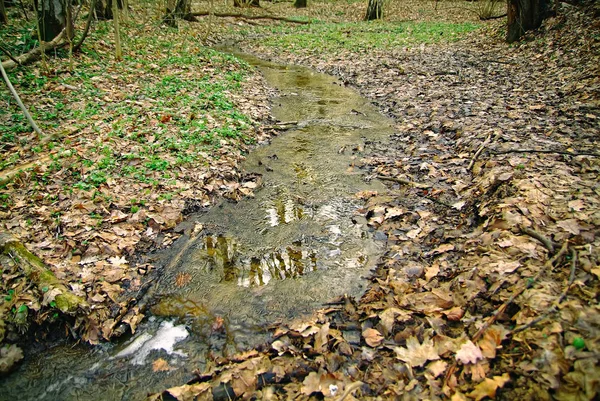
241 267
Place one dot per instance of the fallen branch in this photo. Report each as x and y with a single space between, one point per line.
476 155
554 307
534 234
10 56
37 271
250 17
12 90
544 151
36 53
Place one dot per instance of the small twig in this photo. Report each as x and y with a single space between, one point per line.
476 155
554 307
404 181
545 151
10 56
545 241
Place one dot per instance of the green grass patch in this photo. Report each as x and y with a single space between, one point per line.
362 36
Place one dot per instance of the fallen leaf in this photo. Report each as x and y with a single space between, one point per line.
311 384
488 387
570 225
469 353
417 354
160 365
372 337
436 368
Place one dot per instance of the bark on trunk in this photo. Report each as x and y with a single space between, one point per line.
523 16
246 3
300 4
104 9
3 16
374 10
52 15
181 9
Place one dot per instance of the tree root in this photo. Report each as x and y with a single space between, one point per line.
35 269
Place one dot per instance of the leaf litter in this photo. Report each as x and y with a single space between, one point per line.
137 146
489 285
490 281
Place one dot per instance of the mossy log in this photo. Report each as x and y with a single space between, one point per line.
37 271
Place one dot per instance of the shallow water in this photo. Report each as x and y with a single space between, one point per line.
274 257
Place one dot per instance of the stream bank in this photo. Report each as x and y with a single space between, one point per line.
241 266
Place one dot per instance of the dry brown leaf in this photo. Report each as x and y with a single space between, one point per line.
417 354
160 365
191 392
436 368
372 337
570 225
469 353
488 387
311 384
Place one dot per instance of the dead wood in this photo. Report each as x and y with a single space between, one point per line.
492 17
249 17
534 234
476 155
36 53
9 55
37 271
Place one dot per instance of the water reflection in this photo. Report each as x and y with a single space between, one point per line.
283 211
224 255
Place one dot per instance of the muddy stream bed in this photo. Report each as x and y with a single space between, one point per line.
296 245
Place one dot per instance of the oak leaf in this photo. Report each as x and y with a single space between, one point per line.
417 354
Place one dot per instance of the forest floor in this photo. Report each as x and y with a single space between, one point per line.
489 286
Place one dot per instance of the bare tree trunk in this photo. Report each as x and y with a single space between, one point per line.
52 16
525 15
3 16
181 9
118 51
103 9
374 10
300 4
